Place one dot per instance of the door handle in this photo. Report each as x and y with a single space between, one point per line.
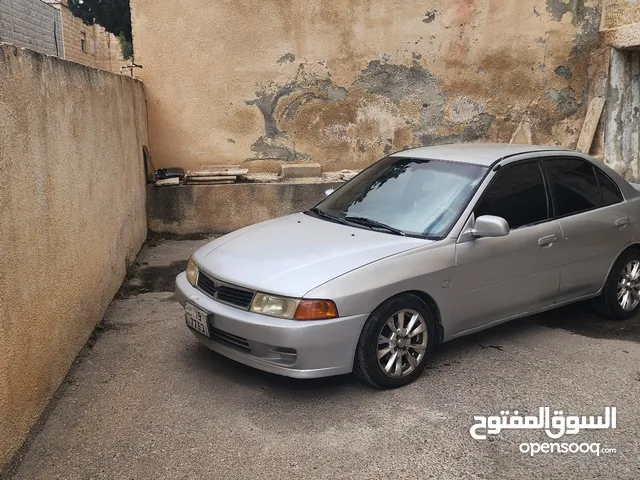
547 241
621 222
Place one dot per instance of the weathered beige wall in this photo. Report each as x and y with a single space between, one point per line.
343 81
72 211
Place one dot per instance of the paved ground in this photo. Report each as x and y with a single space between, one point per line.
146 401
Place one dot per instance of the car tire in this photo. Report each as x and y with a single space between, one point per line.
377 329
607 304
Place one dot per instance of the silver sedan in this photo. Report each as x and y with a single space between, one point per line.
424 246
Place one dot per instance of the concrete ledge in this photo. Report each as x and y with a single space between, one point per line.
301 170
193 209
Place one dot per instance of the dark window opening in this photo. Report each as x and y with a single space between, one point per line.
610 191
574 186
518 195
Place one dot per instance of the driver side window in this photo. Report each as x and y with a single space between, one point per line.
517 194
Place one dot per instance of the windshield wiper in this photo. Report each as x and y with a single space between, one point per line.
322 214
367 222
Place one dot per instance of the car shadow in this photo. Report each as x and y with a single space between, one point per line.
582 319
578 318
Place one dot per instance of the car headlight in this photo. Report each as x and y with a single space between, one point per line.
192 272
274 306
293 308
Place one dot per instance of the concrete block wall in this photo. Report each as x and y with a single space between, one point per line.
197 209
31 24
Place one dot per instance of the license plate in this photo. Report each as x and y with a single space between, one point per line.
196 318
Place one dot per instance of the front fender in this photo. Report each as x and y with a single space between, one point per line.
429 269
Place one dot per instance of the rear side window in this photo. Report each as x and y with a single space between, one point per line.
516 194
574 185
610 191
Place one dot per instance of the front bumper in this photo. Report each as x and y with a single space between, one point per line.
299 349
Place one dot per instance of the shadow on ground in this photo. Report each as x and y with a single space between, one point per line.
580 318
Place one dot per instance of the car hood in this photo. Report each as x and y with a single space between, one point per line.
294 254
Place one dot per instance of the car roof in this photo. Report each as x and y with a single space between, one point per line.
477 153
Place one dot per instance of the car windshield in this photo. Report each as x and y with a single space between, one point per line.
414 196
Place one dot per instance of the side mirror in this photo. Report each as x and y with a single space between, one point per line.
329 191
490 226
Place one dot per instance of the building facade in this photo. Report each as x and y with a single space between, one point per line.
89 45
47 26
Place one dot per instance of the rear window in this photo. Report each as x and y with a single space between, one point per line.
610 191
574 186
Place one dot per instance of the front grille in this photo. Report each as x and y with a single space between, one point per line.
225 293
235 296
233 340
206 284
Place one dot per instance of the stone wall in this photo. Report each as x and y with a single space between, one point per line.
620 12
621 23
31 24
342 82
72 214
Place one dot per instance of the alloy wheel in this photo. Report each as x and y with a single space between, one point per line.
628 292
402 343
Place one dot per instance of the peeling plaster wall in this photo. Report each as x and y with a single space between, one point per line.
72 211
344 82
622 115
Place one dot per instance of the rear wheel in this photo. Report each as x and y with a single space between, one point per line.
620 297
395 342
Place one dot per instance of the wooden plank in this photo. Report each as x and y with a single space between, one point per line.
210 178
168 181
590 125
209 182
217 172
207 170
219 167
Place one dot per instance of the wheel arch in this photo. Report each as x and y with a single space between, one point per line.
633 246
432 306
